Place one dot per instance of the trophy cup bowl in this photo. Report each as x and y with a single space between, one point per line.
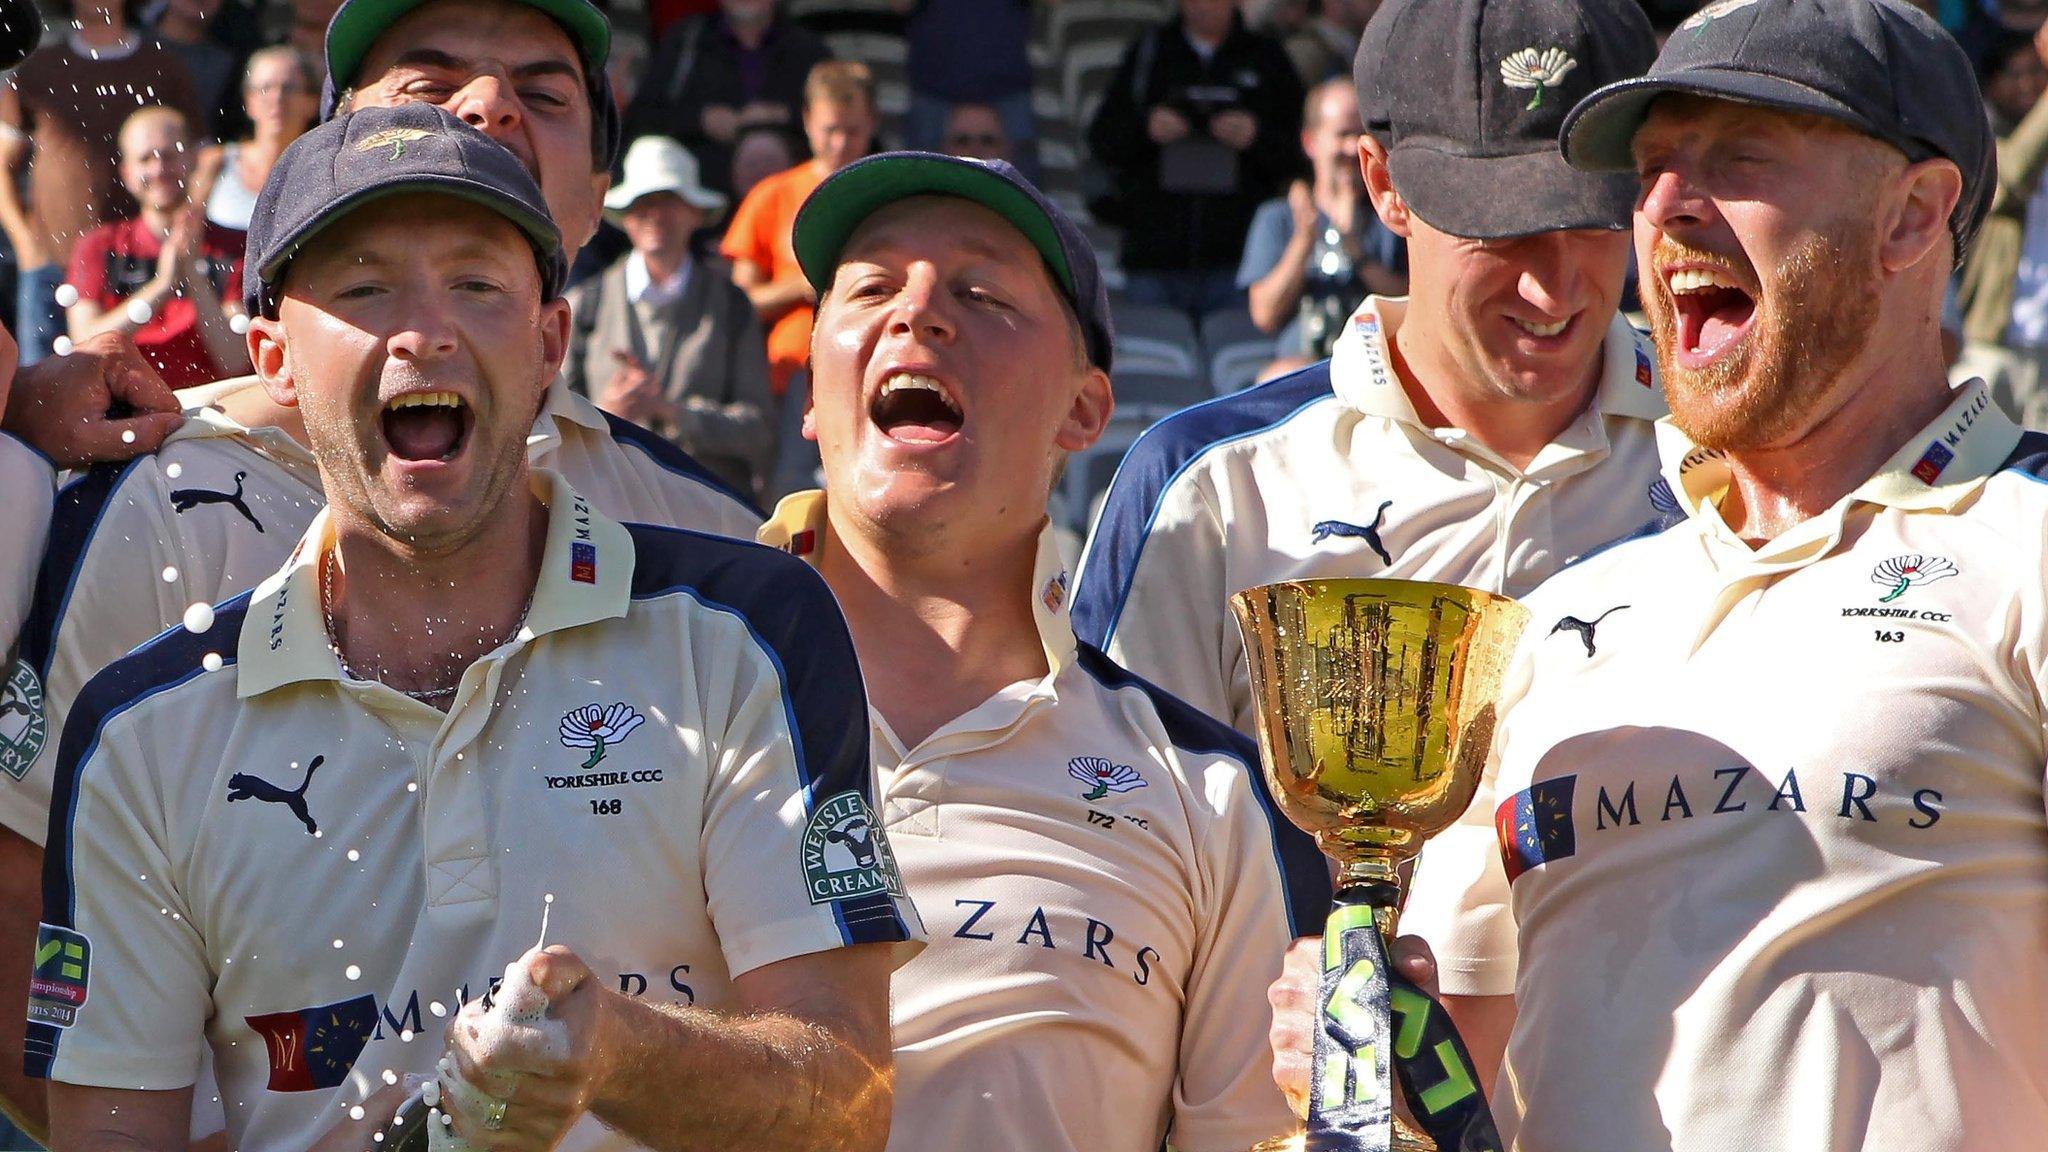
1376 704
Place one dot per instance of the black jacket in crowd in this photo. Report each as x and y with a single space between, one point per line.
1173 231
694 68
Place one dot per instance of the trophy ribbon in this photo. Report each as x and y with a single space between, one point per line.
1370 1018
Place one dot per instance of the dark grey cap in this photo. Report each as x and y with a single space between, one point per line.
1468 95
837 206
1882 67
377 152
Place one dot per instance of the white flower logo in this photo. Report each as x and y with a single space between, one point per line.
594 726
1103 776
1539 70
1902 572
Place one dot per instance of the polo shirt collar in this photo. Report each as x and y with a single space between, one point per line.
1937 469
586 575
800 527
203 421
1362 375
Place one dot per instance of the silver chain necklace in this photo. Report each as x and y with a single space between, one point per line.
425 695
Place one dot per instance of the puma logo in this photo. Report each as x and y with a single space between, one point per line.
243 786
859 839
185 499
1584 628
1328 528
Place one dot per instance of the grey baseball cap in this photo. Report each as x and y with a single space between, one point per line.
1468 95
367 155
1883 67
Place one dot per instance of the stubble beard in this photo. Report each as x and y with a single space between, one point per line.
1815 315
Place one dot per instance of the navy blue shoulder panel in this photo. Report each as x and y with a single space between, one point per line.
1148 472
1304 873
2029 456
795 619
1657 525
72 524
169 660
674 459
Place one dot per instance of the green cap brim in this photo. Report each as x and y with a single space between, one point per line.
854 193
360 22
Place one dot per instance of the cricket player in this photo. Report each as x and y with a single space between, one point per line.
346 795
1764 862
1483 431
1108 887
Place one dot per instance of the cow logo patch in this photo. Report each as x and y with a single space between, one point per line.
596 727
57 985
845 854
1902 572
23 731
313 1048
1103 776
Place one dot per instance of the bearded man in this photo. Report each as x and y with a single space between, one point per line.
1768 866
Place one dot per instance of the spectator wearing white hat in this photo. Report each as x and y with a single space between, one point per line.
663 337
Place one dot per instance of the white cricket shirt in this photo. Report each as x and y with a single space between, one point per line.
292 870
1109 892
1776 825
1330 473
219 507
27 480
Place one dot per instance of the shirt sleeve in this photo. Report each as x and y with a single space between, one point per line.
88 271
1224 1098
1458 899
1264 242
27 477
121 989
748 237
1152 593
795 857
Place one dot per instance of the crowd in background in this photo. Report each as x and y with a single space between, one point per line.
1208 145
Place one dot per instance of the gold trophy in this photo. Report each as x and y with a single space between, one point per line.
1376 705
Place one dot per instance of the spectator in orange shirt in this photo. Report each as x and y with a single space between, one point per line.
839 121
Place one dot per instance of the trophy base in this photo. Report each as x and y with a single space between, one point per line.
1406 1139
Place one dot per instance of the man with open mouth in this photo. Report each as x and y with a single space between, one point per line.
1109 888
422 731
1767 865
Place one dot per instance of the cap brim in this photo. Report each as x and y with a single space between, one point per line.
848 197
540 231
1599 135
358 24
1503 197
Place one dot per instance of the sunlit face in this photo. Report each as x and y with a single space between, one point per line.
2017 84
154 163
1208 19
417 357
1331 140
660 224
975 130
1758 240
508 71
945 380
756 157
1521 319
839 133
276 96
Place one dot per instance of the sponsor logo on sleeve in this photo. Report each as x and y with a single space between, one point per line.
845 854
23 730
1535 825
313 1048
57 985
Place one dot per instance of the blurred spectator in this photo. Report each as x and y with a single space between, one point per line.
839 122
626 64
1324 48
2003 281
1313 256
183 26
70 99
976 131
308 31
758 154
1199 125
282 98
713 76
970 52
668 341
662 14
162 276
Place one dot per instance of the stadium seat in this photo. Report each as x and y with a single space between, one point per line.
1236 349
1089 472
1086 71
1157 340
1143 397
1077 21
825 16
